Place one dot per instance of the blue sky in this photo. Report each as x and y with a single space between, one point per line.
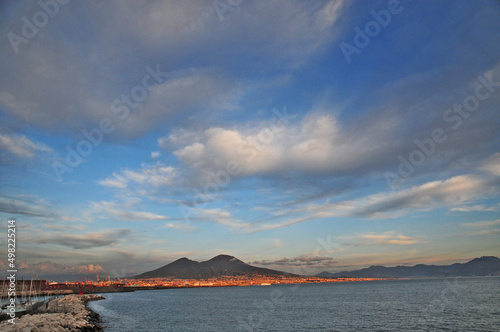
300 136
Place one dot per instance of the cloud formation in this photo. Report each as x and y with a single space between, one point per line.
85 241
249 120
48 268
487 223
21 146
157 175
386 238
304 261
82 90
124 213
471 208
29 205
316 144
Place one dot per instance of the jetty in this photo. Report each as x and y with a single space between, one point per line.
67 313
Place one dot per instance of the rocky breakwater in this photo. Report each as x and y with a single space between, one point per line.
68 313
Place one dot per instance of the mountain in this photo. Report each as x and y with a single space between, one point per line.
484 266
222 265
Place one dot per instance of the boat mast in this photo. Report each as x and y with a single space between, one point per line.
31 285
3 286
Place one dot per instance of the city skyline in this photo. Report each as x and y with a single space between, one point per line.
296 136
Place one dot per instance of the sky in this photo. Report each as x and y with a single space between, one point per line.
303 136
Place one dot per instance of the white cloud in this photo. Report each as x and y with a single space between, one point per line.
492 164
183 93
29 205
317 144
470 208
156 175
386 238
48 268
454 191
21 146
195 24
304 261
487 223
222 217
485 232
276 243
327 16
84 82
116 181
123 212
178 226
84 241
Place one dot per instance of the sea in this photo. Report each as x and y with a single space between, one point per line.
451 304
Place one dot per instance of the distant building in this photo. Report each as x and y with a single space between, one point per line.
23 285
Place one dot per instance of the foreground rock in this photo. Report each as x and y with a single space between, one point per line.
68 313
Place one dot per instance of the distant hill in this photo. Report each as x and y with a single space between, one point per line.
484 266
222 265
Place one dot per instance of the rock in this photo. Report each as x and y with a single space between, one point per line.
68 313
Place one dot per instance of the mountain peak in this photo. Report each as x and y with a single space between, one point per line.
486 259
217 266
182 260
483 266
224 258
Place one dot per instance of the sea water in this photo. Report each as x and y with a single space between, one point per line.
452 304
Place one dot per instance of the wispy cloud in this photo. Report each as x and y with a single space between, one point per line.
485 232
276 243
304 261
453 191
487 223
186 91
386 238
492 164
471 208
317 144
456 190
48 268
85 241
63 227
123 212
156 175
222 217
190 93
21 146
183 227
29 205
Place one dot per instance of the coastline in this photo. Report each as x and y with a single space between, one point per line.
68 313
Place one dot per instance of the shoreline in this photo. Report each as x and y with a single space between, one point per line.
72 313
67 313
155 284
